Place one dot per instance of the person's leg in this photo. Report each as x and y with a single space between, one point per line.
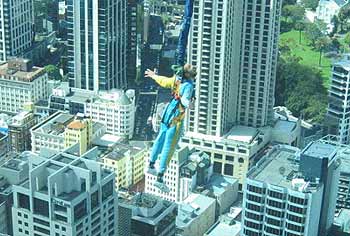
170 143
158 145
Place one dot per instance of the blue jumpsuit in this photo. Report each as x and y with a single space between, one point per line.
172 118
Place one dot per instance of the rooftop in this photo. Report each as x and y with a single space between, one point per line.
279 167
226 226
76 124
320 150
192 207
242 134
21 72
121 150
54 124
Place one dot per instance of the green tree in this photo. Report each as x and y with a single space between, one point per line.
347 38
310 4
300 89
53 72
313 33
343 17
321 44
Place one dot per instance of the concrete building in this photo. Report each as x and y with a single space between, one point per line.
235 152
260 35
19 131
214 50
144 214
224 190
116 110
342 223
343 199
195 215
97 44
226 226
16 29
291 192
79 131
187 170
46 204
13 171
128 163
21 83
58 130
338 113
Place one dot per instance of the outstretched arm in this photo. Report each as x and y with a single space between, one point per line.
163 81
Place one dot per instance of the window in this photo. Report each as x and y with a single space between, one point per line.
218 167
228 169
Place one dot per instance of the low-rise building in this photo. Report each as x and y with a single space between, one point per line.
4 144
61 129
328 9
19 131
144 214
341 225
21 83
226 226
116 110
186 170
127 161
195 215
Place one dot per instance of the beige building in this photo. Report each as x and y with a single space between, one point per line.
20 83
127 162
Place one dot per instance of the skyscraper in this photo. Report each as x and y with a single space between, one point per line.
260 34
16 30
234 46
97 44
338 114
214 50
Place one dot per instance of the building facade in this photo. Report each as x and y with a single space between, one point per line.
16 30
260 35
195 215
214 50
327 9
19 131
59 131
46 204
128 162
338 112
21 83
291 193
97 44
144 214
116 110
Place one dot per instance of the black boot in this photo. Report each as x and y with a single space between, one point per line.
160 177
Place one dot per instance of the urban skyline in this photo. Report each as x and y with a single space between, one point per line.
249 99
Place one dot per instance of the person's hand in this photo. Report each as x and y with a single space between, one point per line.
149 73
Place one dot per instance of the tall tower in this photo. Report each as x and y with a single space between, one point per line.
260 34
338 114
16 27
214 46
97 44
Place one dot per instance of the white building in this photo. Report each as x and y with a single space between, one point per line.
292 193
16 29
338 113
50 133
21 83
116 110
187 170
214 50
327 9
195 215
97 44
45 204
260 35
